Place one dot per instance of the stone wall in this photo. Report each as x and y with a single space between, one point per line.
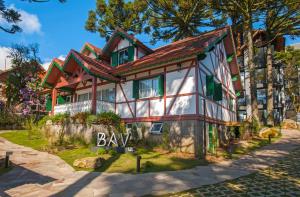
185 136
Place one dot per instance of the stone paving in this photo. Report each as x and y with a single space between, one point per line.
281 179
43 174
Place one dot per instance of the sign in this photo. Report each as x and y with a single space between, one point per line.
102 139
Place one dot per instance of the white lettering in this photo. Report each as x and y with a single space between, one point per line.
101 141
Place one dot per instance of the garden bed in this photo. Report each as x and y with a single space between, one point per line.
153 160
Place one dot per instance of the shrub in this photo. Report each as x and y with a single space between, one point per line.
91 119
269 131
109 119
81 117
101 151
112 152
134 134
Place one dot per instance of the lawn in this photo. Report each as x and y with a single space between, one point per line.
152 161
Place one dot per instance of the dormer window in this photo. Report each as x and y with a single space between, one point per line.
123 56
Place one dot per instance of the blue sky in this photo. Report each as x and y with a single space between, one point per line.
57 28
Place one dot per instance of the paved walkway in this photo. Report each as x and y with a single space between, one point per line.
42 174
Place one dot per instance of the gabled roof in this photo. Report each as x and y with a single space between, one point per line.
56 67
93 67
120 34
95 50
179 50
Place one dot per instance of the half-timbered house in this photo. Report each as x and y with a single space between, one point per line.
190 85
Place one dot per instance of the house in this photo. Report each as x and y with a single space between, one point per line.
189 85
244 100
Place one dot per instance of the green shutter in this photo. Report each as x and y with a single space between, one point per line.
229 58
48 103
210 85
114 58
161 85
130 53
135 89
234 78
218 93
61 100
201 56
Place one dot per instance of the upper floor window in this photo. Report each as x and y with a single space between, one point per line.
123 56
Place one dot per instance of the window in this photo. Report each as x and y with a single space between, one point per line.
156 128
83 97
148 88
107 95
123 56
261 97
68 99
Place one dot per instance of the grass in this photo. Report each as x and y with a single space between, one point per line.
23 138
152 161
252 145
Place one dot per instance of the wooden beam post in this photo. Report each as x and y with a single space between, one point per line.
94 96
54 96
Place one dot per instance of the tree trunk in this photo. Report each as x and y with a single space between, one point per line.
270 118
251 67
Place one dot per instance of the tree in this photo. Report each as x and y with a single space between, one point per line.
13 17
23 83
162 19
116 13
280 18
291 59
249 11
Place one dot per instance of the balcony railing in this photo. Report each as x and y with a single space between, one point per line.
83 106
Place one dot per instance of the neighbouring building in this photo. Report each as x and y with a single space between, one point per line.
244 100
190 85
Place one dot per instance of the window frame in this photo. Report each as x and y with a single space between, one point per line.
153 93
156 131
123 50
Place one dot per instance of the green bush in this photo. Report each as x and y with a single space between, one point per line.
109 119
101 151
7 118
56 119
81 117
141 151
112 152
91 119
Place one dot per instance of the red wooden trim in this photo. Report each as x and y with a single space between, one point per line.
73 81
174 118
197 88
126 100
94 96
166 65
180 87
54 96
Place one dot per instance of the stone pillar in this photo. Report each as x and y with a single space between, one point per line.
94 96
54 96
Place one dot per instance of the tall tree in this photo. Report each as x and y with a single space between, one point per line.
249 10
162 19
280 18
291 59
12 17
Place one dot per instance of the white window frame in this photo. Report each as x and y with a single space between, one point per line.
152 92
89 96
119 52
159 131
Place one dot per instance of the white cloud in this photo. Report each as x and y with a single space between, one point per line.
4 51
30 22
48 61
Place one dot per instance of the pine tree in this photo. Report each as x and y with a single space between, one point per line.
280 18
162 19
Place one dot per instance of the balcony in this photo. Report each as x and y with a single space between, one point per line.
83 106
